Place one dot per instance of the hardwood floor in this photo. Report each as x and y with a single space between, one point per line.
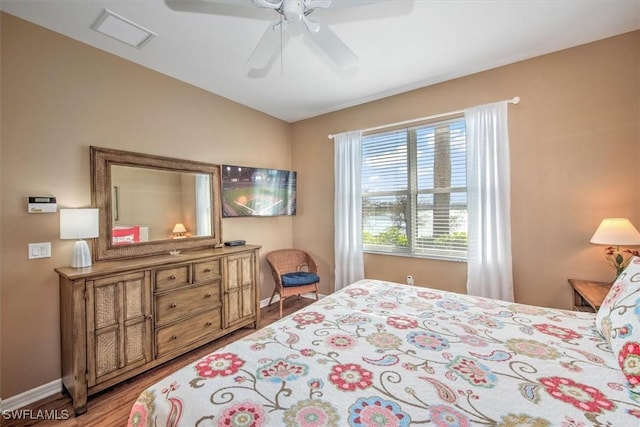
111 407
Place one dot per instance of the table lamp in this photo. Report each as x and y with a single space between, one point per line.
616 232
179 231
79 224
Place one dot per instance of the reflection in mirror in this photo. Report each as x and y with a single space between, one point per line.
149 203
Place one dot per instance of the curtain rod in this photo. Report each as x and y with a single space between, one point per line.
515 100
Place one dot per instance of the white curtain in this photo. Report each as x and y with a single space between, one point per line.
203 205
488 190
348 208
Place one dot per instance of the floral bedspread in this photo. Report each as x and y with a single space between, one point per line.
385 354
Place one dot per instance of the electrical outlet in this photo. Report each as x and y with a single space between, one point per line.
410 280
39 250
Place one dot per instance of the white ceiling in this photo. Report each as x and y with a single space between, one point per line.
401 44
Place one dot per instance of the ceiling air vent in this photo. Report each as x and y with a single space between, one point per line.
121 29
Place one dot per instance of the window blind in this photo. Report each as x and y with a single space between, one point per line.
414 190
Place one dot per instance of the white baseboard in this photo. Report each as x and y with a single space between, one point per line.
41 392
30 396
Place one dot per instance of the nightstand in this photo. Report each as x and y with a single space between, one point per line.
588 295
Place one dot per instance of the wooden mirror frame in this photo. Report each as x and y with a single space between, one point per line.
101 161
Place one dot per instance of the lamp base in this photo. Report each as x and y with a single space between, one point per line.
81 255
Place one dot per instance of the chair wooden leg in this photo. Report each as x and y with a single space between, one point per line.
275 291
281 300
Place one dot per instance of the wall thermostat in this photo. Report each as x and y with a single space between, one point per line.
42 204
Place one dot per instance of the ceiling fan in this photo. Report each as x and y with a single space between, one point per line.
292 12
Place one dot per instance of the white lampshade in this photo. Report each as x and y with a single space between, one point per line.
616 232
79 224
179 228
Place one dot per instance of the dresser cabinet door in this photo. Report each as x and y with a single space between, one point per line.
240 288
119 335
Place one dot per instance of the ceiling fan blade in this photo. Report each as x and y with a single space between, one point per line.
352 3
239 8
269 46
268 4
315 4
331 44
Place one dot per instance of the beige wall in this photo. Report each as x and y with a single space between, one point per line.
575 152
58 98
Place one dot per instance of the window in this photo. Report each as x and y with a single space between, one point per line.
414 196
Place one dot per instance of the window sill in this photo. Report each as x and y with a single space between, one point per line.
423 256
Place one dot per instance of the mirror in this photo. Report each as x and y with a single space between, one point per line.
151 204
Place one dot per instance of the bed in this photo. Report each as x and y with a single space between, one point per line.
385 354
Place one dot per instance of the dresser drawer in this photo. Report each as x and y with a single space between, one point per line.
206 271
176 336
182 302
173 277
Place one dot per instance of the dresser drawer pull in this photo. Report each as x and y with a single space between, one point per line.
209 323
207 296
173 306
207 270
149 317
173 277
174 337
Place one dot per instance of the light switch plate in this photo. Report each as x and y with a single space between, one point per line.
39 250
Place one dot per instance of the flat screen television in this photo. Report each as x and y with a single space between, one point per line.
250 191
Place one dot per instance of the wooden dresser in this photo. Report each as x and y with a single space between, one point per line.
120 318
